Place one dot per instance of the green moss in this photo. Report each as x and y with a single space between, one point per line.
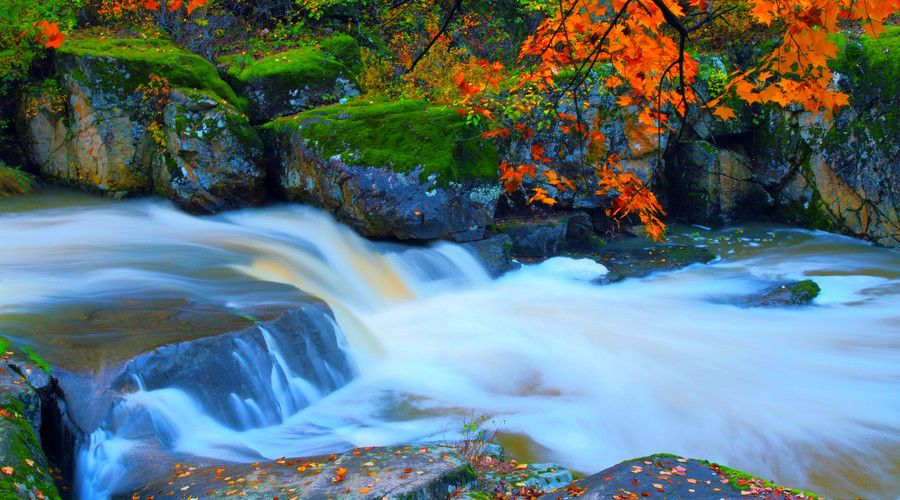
4 345
402 135
805 290
872 70
139 57
741 480
336 56
19 443
36 359
14 182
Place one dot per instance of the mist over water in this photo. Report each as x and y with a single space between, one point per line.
582 374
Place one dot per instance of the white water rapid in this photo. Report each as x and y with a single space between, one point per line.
573 372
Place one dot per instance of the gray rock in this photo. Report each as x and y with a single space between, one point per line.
495 252
665 476
410 472
789 294
535 239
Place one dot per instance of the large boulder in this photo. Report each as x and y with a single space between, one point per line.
135 116
401 170
289 82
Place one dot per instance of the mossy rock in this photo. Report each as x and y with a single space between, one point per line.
790 294
289 82
397 170
125 63
404 135
24 471
14 181
672 476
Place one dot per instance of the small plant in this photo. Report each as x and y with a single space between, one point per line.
476 438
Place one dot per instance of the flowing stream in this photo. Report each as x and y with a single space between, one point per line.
569 371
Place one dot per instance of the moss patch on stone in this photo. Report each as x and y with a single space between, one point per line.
18 449
743 481
872 69
139 57
805 290
401 135
14 182
334 57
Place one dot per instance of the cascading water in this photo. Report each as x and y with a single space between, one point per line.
570 371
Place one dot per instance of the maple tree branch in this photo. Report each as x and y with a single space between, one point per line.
453 10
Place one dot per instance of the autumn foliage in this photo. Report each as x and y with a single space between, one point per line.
642 53
645 45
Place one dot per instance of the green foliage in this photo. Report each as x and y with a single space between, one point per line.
403 135
4 345
14 182
716 78
17 40
138 58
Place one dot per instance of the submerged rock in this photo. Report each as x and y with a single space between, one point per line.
420 472
138 116
534 238
495 253
401 170
637 263
289 82
790 294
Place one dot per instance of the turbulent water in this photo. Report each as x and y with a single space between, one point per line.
570 371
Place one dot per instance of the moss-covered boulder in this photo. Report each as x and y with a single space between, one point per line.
796 293
289 82
24 470
14 182
137 116
399 170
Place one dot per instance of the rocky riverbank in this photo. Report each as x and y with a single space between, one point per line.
138 116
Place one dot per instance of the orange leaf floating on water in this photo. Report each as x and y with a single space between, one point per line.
363 491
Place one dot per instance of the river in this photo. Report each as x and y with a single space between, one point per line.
568 371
